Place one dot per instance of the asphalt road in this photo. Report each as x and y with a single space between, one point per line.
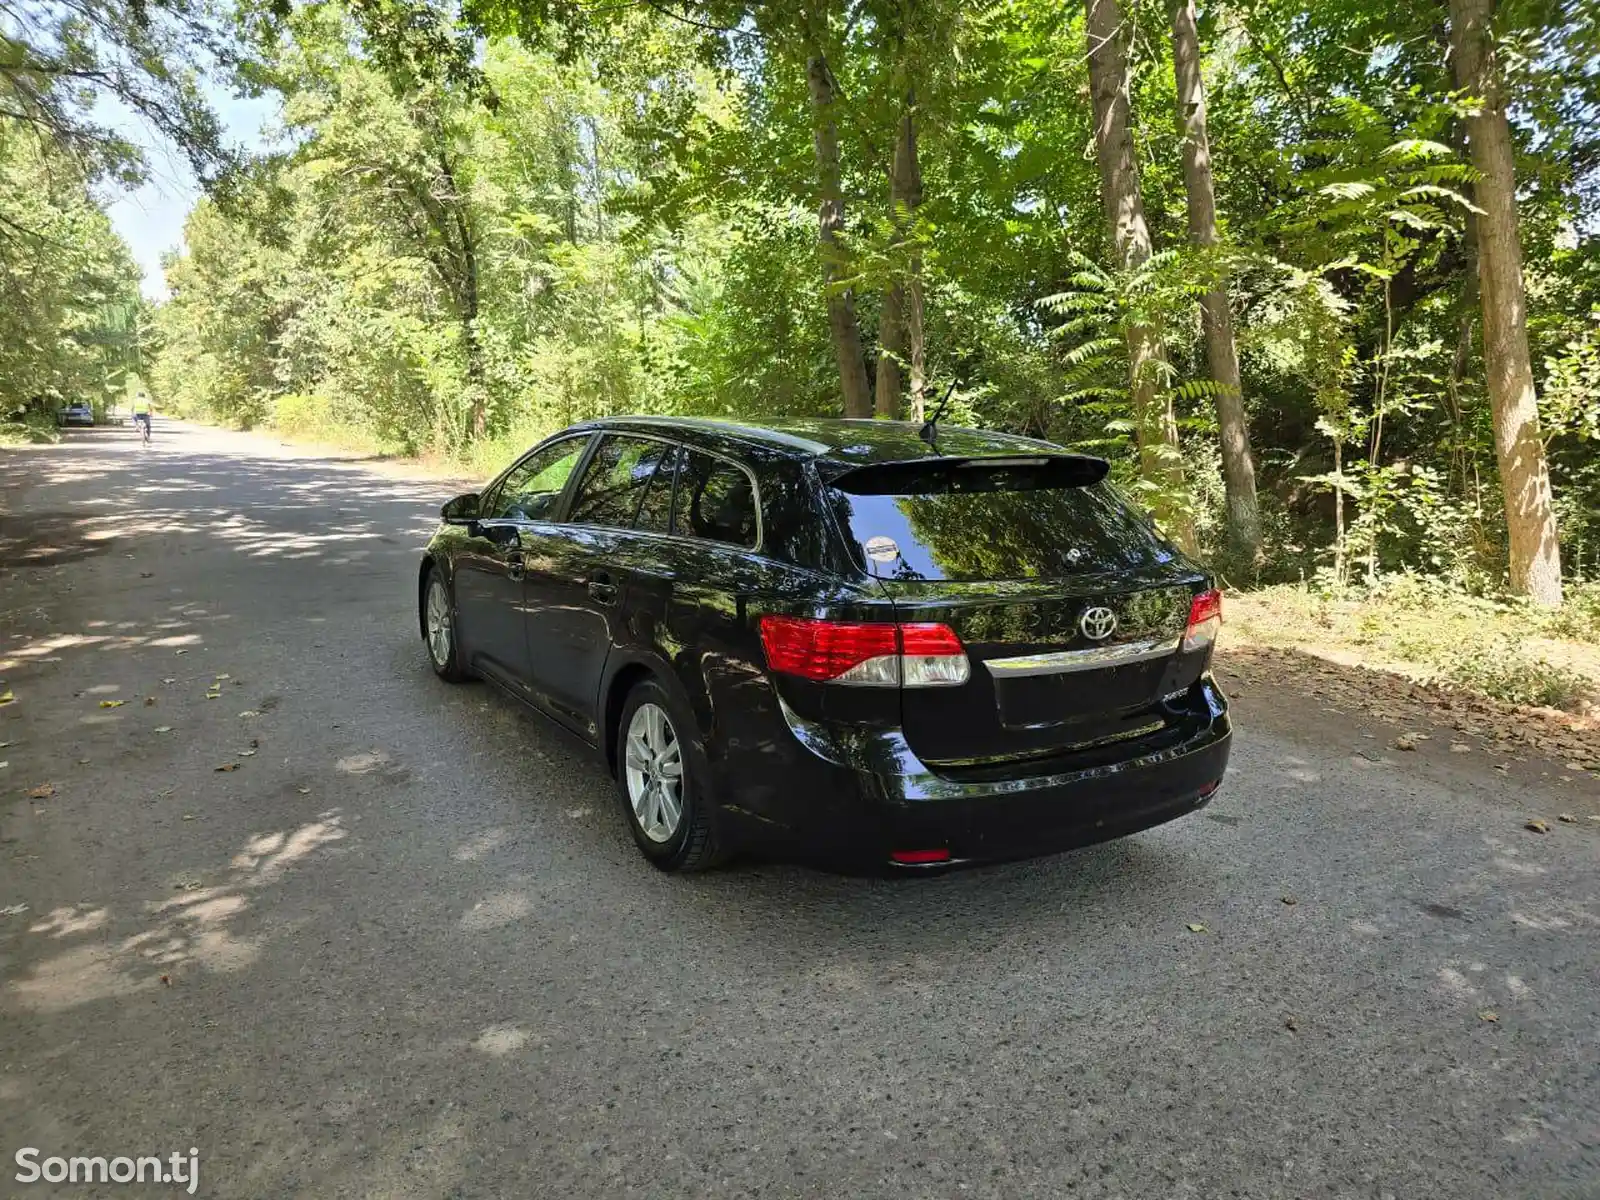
406 948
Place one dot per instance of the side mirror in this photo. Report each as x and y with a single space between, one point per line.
463 510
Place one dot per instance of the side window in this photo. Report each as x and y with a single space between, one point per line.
534 486
715 500
618 478
655 510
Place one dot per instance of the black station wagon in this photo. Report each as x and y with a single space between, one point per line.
850 640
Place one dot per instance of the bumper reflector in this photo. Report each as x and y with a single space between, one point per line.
918 858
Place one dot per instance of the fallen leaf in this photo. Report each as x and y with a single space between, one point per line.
7 698
13 910
1568 818
112 703
167 979
1406 741
222 677
304 791
43 792
1488 1014
163 729
169 681
227 767
248 713
4 765
1193 928
188 816
1460 748
246 753
1537 826
146 574
180 652
1291 1024
1290 900
3 745
149 700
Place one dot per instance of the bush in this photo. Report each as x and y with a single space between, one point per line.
1579 617
29 428
1503 670
314 418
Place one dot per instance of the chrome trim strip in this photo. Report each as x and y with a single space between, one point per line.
1092 659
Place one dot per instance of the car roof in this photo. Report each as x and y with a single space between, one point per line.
848 442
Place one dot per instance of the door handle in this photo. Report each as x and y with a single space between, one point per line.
603 589
515 566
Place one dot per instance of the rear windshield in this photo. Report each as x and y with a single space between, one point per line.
994 524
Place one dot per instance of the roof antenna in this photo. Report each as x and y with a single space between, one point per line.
930 428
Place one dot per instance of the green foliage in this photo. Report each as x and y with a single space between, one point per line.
1504 669
596 209
69 306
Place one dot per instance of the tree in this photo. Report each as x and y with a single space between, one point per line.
68 285
1535 551
1160 464
840 295
1216 314
62 61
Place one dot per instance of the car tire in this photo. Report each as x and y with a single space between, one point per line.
439 629
689 843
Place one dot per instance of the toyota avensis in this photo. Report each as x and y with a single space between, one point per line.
839 638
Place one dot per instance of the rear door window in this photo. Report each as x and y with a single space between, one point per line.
716 500
655 510
619 476
966 521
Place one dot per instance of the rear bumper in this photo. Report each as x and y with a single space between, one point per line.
854 797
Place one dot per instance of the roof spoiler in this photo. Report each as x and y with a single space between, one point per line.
967 473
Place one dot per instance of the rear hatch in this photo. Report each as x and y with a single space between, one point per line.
1072 609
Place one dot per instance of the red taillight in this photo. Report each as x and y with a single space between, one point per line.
929 639
866 653
823 650
1205 617
918 858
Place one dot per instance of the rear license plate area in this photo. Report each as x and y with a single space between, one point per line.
1105 697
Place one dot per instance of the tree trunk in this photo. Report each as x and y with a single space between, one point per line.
1535 558
1466 324
918 346
895 332
842 323
1157 428
891 350
461 260
1216 316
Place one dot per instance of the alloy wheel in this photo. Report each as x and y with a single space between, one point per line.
438 622
653 765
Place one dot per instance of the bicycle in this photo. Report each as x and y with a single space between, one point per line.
142 420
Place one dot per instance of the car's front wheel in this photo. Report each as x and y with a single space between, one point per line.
660 776
439 629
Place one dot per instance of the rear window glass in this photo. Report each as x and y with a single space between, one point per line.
996 524
715 500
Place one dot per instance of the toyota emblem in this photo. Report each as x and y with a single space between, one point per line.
1098 623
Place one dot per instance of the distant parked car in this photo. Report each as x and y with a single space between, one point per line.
833 636
76 414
